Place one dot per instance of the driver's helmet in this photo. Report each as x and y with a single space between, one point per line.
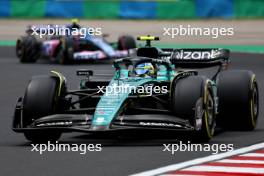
144 69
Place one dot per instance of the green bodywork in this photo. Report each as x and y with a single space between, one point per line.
111 103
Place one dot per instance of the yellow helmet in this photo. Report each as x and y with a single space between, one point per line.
145 69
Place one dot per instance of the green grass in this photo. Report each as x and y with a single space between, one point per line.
7 43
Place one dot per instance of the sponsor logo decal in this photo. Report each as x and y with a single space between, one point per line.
159 124
100 120
196 55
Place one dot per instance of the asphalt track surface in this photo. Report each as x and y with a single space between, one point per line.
121 156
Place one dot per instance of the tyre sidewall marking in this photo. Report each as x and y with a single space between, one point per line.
252 111
208 130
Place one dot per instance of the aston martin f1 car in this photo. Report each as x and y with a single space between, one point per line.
66 49
155 90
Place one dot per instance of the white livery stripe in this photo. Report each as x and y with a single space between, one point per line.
240 161
225 169
253 154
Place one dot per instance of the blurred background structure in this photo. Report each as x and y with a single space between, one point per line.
132 9
141 17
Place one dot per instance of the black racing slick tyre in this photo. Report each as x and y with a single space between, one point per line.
40 99
126 43
27 49
193 100
238 100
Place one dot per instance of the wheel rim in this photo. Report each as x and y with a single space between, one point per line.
210 121
254 104
210 109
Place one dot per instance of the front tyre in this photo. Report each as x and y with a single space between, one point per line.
193 100
238 100
40 99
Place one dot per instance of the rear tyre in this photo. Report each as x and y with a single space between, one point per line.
27 49
238 100
126 43
193 100
40 100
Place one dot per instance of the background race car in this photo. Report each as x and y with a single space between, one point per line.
70 48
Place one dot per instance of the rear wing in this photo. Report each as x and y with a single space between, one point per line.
199 57
191 58
188 58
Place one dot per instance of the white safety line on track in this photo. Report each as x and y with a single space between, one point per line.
254 154
178 166
240 161
225 169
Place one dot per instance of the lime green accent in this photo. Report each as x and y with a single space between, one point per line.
61 78
206 94
28 8
101 9
146 38
175 9
248 8
75 20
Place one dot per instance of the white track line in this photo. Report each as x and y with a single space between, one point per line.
240 161
180 175
197 161
253 154
225 169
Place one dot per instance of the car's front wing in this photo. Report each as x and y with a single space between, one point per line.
83 123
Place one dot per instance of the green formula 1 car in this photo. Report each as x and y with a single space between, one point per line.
153 91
